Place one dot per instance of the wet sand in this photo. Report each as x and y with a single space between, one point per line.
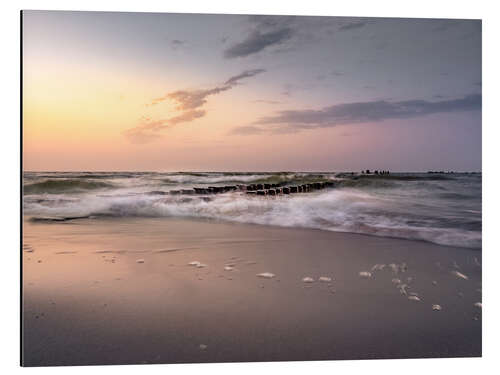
121 291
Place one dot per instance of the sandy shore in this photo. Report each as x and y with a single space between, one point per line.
121 291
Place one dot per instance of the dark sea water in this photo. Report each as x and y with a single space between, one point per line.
444 208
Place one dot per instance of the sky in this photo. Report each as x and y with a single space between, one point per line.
106 91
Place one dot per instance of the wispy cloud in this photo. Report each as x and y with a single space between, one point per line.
192 99
257 41
187 116
357 112
188 102
246 74
279 34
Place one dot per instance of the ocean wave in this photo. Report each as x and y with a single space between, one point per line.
342 210
440 208
55 186
87 180
246 178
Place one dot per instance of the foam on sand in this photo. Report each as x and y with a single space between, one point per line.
266 275
365 274
460 275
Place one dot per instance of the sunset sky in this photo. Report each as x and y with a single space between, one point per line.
172 92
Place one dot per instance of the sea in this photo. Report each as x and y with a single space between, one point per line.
442 208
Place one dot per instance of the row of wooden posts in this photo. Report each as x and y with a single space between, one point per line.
256 189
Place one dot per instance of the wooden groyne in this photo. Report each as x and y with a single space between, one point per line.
256 189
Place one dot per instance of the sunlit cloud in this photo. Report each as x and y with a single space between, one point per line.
188 102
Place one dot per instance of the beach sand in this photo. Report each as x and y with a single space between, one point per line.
120 291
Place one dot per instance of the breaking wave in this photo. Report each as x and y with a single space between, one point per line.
445 211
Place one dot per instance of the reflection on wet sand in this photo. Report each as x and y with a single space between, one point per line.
169 290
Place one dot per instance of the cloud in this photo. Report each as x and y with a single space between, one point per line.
284 33
188 102
257 41
192 99
358 112
246 74
352 25
187 116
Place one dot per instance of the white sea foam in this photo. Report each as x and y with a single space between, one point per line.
406 209
460 275
266 275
